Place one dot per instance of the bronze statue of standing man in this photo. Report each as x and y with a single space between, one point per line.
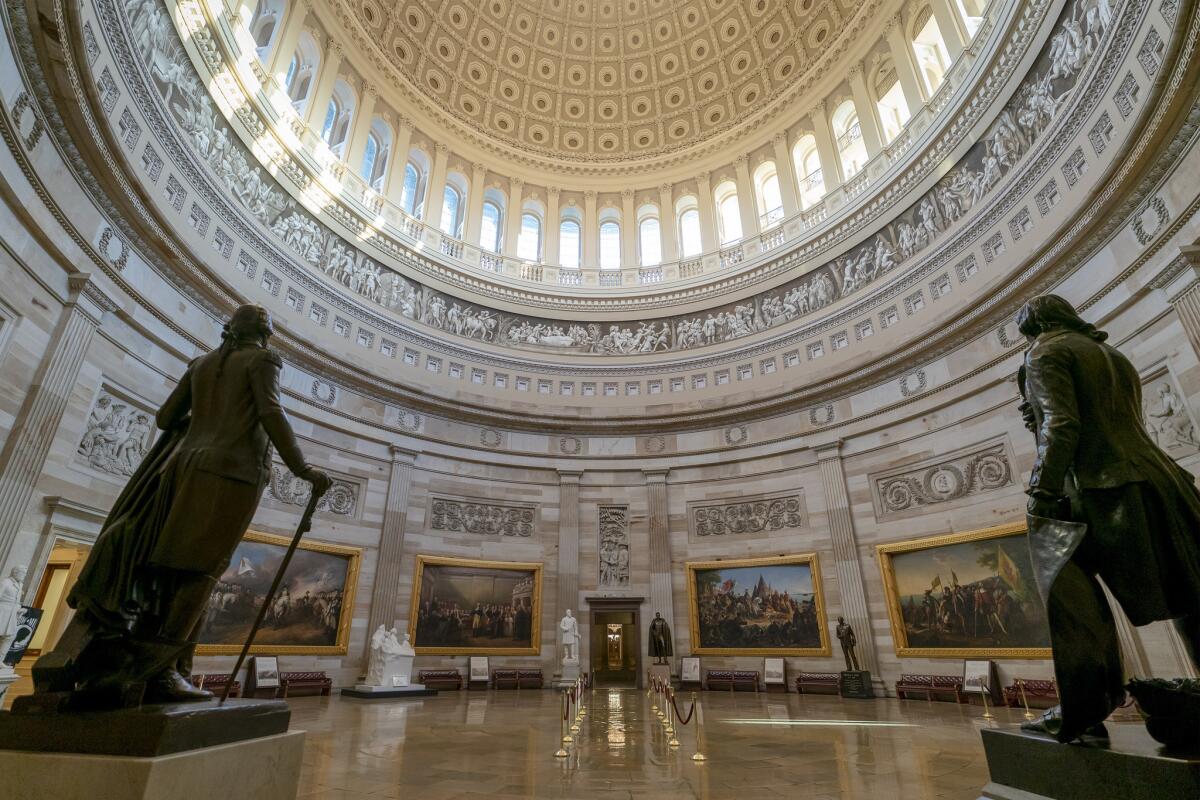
141 596
1098 467
661 647
845 635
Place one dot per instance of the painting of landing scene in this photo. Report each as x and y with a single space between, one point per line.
757 606
309 615
965 595
468 607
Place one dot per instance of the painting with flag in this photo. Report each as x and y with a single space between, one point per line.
987 609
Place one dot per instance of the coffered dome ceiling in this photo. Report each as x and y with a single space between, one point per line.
604 80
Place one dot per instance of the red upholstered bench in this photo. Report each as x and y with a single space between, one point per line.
300 684
505 679
1038 693
529 679
932 686
215 683
817 682
440 679
731 679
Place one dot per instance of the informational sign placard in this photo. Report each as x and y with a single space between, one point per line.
689 669
479 668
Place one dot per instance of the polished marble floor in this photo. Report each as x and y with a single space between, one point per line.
502 745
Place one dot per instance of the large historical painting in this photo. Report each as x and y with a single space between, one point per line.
965 595
311 612
463 607
757 606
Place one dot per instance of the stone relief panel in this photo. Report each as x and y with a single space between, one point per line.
614 546
152 35
118 433
286 488
748 515
913 489
481 517
1168 418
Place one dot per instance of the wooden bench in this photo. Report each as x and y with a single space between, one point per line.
301 684
215 683
1038 693
441 679
529 679
932 686
731 679
818 682
505 679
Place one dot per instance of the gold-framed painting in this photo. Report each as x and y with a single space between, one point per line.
311 612
770 606
464 606
965 595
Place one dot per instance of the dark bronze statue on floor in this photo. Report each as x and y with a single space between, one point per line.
141 596
1097 467
845 635
660 639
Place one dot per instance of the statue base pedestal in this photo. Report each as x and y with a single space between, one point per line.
662 672
364 692
856 684
1130 765
570 673
8 676
266 768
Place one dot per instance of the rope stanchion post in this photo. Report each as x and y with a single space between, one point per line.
987 714
673 742
562 730
567 737
699 756
1024 699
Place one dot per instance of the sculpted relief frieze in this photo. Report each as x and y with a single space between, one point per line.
152 34
916 488
459 515
118 433
748 516
614 546
1168 419
286 488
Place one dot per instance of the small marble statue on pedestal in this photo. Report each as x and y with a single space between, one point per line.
11 589
568 626
390 664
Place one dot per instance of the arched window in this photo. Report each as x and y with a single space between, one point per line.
412 188
264 24
893 108
729 213
610 245
302 71
336 128
691 242
933 58
808 170
529 241
972 15
649 241
377 154
848 134
766 189
489 234
570 243
451 210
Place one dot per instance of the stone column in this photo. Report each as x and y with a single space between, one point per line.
906 66
361 128
747 197
289 37
319 95
950 25
512 218
629 230
437 186
568 554
37 422
785 170
591 231
550 230
846 564
1180 281
708 215
661 570
386 588
667 224
398 158
831 162
868 112
474 226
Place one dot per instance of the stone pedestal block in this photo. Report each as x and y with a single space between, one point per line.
662 672
267 768
856 683
570 673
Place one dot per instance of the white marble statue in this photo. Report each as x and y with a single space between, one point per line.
569 627
11 589
375 661
390 663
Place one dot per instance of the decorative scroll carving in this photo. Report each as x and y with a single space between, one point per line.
967 472
763 514
284 487
485 519
118 434
614 546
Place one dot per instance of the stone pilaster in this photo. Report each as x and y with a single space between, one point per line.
24 456
658 521
1180 281
568 554
386 586
846 564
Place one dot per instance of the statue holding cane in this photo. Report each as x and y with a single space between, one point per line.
141 596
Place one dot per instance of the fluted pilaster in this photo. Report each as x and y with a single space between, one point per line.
386 587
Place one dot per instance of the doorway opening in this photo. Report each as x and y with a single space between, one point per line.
614 651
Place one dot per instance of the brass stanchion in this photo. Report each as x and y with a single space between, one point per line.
672 742
562 727
699 754
567 736
1024 700
986 713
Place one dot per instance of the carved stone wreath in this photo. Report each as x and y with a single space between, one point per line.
947 480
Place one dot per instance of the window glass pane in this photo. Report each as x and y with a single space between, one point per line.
689 233
731 219
450 205
489 237
893 111
368 165
291 73
651 242
408 193
773 202
529 243
569 244
330 116
610 246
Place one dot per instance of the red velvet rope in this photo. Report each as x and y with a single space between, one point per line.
682 720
